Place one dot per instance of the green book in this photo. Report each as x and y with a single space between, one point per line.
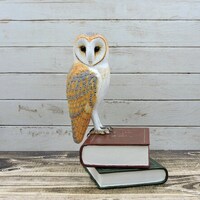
125 177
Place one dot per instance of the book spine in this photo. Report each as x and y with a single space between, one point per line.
148 155
80 154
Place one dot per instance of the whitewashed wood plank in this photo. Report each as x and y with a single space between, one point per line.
8 194
48 184
80 181
154 86
96 9
179 138
122 33
84 181
112 112
131 86
128 60
59 138
37 139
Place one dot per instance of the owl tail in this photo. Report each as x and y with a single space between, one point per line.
79 128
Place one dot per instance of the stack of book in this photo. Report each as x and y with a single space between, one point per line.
121 159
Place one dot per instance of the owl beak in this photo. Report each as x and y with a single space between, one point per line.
90 62
90 55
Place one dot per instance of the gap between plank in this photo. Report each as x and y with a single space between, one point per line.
113 73
88 19
51 46
121 100
137 126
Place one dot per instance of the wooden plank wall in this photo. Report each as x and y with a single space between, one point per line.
154 59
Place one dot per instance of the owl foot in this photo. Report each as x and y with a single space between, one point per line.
110 128
102 131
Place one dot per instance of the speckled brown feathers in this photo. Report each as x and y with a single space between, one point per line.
81 95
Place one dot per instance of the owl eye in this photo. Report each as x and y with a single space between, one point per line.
83 48
96 49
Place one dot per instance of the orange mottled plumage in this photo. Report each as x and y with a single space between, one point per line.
81 95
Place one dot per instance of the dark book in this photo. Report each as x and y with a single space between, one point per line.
126 177
123 147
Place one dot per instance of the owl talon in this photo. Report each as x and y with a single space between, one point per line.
100 132
107 131
104 130
109 128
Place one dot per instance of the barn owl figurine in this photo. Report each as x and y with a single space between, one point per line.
87 84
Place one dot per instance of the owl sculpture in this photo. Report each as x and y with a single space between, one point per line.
87 84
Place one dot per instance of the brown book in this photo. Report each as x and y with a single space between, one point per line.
123 147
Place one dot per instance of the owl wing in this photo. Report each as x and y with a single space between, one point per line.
81 95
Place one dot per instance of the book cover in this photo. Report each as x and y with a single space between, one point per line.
126 177
123 147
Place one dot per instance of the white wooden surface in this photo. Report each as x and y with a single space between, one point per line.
87 9
122 60
138 86
173 138
113 112
118 32
154 58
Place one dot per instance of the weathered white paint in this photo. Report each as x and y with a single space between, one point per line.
131 86
113 112
59 138
122 33
147 38
87 9
121 60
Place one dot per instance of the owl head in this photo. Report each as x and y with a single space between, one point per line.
90 49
